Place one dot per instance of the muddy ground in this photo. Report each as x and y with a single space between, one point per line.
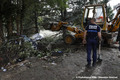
69 66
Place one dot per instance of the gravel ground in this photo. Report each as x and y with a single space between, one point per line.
70 66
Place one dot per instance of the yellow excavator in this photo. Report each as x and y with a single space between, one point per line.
108 28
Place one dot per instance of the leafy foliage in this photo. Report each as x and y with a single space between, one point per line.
13 50
109 10
110 13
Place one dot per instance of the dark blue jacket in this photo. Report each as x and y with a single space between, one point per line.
92 31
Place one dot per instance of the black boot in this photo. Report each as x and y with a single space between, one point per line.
94 64
88 65
99 60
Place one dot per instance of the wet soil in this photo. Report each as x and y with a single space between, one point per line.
69 66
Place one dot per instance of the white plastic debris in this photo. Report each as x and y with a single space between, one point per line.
4 70
8 63
19 60
37 36
53 63
21 64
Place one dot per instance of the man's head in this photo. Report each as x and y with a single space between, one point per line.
93 20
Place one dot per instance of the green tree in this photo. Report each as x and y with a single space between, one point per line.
109 10
59 6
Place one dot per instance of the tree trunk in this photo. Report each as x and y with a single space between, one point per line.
9 27
63 18
36 26
21 25
18 20
1 28
21 17
17 24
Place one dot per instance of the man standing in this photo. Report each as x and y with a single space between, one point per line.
91 35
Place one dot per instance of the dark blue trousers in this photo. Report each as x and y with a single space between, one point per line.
91 46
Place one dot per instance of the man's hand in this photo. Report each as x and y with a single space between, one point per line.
99 35
84 41
99 41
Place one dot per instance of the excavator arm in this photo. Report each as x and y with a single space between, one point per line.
57 26
69 39
116 22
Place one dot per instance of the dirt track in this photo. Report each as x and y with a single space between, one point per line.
70 66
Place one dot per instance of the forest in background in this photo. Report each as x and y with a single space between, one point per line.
27 16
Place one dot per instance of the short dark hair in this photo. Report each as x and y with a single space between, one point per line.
93 19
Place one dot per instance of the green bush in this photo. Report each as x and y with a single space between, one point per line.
11 51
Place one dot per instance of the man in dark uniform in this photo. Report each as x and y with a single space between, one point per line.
91 35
